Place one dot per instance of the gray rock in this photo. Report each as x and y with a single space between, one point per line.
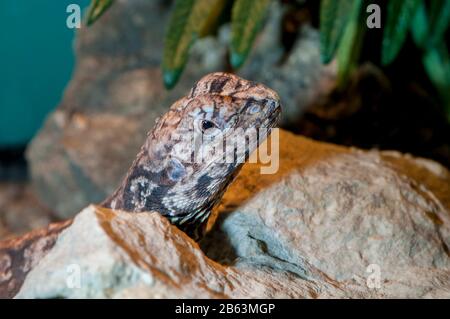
142 256
329 223
116 93
339 211
20 210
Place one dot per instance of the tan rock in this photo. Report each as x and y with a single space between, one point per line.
332 222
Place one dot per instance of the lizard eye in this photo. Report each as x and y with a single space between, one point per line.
206 125
209 128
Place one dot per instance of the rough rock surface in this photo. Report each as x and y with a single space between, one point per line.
142 255
325 225
20 210
116 93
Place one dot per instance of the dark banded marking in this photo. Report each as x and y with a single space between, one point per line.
218 84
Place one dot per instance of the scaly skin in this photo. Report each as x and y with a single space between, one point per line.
165 177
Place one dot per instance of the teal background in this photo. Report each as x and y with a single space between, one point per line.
36 62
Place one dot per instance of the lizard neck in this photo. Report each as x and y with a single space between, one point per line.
142 188
187 205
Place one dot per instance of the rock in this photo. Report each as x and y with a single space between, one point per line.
20 209
140 255
333 222
116 93
340 211
18 256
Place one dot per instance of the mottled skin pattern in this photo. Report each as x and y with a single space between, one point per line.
164 177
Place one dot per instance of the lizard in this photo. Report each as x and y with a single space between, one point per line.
167 175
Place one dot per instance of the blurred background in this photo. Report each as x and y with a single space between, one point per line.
75 105
37 59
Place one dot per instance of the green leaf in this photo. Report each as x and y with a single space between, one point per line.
350 45
439 21
435 58
246 20
419 26
334 16
189 19
96 10
437 65
212 22
399 18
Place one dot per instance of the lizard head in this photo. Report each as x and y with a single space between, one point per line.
197 148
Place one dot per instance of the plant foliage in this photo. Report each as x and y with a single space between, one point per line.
189 20
350 44
247 18
98 7
399 17
333 21
344 36
342 32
